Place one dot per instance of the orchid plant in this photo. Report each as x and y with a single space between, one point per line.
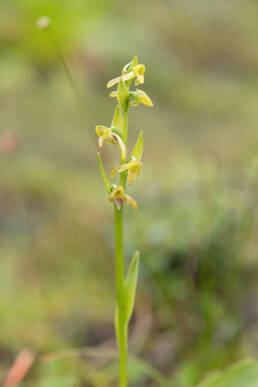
126 172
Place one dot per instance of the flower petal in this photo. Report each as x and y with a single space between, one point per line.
101 141
132 174
139 71
123 168
141 97
129 200
112 82
113 94
114 172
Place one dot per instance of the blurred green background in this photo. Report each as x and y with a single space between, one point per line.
197 229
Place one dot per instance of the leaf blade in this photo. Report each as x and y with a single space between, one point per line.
103 174
118 121
138 148
243 373
123 95
130 286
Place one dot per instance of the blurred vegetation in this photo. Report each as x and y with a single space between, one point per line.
197 224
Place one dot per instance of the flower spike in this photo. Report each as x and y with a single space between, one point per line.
129 168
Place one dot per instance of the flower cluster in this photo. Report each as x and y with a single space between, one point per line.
130 167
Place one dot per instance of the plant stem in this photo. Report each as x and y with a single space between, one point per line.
125 126
121 328
119 242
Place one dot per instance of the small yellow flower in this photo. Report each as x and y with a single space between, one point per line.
141 97
108 135
118 196
130 71
133 168
104 134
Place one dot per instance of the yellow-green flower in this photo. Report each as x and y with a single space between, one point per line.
104 134
130 71
133 168
118 196
141 97
108 135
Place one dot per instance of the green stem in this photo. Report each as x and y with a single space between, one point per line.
123 176
121 325
122 334
125 125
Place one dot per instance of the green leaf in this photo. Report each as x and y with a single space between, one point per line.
123 95
136 364
138 148
242 374
118 121
103 174
130 286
